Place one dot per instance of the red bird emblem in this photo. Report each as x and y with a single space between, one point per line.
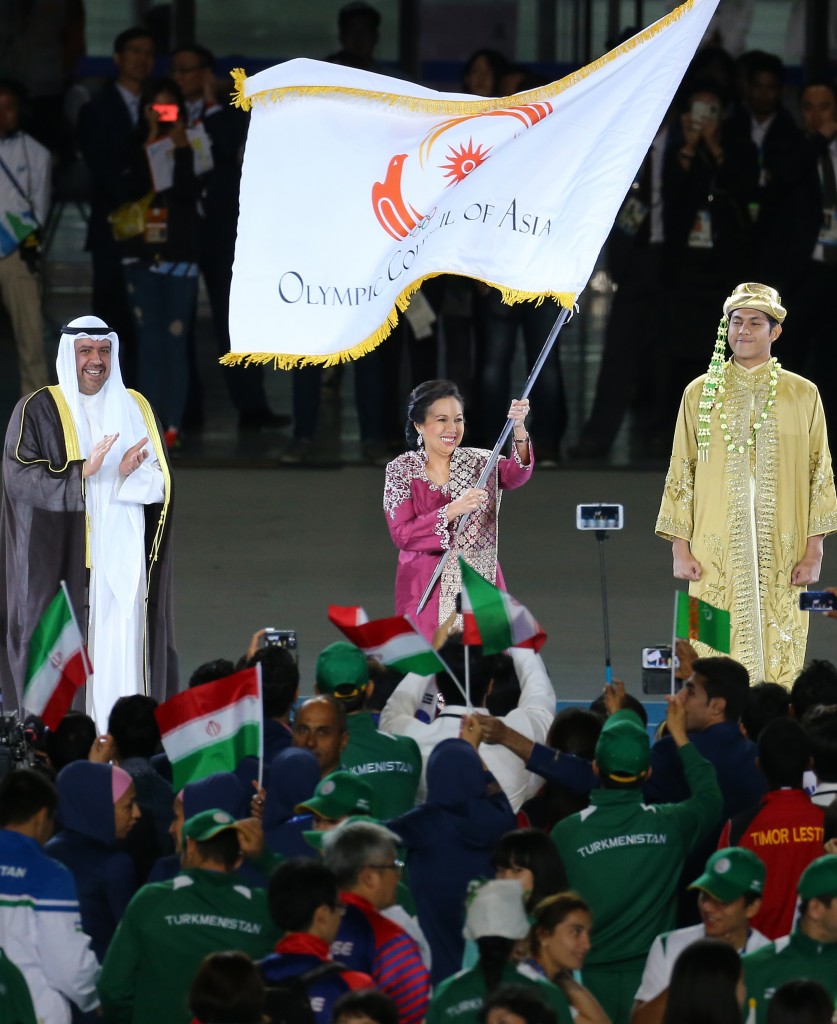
394 215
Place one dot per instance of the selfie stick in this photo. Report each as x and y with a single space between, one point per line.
601 537
563 316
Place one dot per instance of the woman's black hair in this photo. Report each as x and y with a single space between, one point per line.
499 66
153 87
530 848
550 912
421 398
504 695
495 951
228 989
800 1001
524 1002
365 1003
703 985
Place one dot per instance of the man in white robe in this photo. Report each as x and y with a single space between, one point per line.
87 494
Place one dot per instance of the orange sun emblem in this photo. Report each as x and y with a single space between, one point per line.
462 161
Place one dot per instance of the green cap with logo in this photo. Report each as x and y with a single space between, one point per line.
623 750
338 795
342 670
819 878
731 873
315 837
208 824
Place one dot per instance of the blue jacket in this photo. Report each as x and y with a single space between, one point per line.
104 874
449 840
291 778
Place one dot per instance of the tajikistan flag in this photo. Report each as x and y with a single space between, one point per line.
493 618
210 728
58 664
394 642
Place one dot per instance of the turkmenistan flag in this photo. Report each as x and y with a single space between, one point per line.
395 642
494 618
58 663
210 728
697 620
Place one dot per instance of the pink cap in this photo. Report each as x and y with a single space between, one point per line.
120 780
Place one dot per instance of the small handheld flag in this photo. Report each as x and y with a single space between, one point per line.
698 620
58 664
494 618
212 727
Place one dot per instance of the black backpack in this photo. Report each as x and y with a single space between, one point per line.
289 1002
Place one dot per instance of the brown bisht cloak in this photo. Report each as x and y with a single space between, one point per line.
43 540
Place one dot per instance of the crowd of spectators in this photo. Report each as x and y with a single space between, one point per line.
634 878
739 184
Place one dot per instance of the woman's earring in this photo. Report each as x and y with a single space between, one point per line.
420 439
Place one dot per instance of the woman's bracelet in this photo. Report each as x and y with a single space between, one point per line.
520 440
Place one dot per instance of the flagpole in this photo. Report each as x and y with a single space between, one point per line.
88 668
448 669
261 730
673 643
495 454
467 649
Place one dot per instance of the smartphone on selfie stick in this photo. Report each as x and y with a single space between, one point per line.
601 518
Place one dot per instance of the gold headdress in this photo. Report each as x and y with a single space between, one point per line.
749 295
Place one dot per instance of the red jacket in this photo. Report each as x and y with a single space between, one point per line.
786 831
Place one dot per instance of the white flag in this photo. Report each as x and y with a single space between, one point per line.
357 187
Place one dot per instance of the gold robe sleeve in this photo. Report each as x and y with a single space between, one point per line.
676 517
822 500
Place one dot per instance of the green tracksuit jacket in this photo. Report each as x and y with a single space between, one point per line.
390 764
166 931
625 858
794 956
459 998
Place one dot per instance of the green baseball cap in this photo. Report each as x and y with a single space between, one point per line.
731 873
342 670
338 795
208 824
819 878
623 749
314 837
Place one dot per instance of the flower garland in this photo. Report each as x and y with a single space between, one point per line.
775 367
713 388
713 383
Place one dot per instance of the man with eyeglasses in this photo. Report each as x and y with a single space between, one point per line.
362 856
304 904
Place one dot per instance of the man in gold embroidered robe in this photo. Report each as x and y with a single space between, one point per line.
749 493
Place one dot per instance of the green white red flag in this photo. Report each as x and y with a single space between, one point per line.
395 642
494 618
58 664
699 620
210 728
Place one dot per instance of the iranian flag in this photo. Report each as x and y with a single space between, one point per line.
395 642
58 664
210 728
493 618
698 620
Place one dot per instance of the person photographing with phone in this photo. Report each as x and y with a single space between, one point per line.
157 227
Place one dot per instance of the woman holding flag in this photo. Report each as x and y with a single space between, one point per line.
432 485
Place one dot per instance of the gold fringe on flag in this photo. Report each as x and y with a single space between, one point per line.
424 105
291 361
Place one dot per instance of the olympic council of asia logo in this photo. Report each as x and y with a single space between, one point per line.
213 728
395 213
